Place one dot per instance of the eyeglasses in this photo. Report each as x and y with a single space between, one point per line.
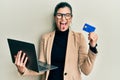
67 15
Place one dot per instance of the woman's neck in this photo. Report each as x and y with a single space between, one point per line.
64 33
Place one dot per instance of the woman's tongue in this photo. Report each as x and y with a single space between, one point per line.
62 26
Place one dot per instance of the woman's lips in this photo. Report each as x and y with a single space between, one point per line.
63 25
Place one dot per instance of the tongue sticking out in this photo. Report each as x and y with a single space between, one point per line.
63 26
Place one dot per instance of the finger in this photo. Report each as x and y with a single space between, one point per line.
18 57
25 61
15 59
92 35
21 62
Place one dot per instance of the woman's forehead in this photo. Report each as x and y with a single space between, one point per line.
64 10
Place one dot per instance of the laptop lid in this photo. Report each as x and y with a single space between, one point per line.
28 48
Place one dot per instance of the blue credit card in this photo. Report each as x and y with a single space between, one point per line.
88 28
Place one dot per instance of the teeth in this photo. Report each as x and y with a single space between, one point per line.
63 23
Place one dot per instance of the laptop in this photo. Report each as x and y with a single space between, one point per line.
29 49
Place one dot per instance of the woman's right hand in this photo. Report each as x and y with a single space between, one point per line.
20 61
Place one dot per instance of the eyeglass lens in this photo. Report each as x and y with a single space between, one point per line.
67 15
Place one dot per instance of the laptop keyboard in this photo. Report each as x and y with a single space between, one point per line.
42 68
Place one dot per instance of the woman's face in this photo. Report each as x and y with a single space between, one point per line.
63 18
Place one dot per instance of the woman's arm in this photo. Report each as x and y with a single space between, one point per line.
87 59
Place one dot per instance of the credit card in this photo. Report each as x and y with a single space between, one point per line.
88 28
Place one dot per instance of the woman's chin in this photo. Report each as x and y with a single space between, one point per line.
63 30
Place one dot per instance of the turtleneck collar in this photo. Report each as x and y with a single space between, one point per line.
58 32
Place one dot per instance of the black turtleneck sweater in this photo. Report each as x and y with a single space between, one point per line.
58 54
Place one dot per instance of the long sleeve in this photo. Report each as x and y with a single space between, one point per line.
86 57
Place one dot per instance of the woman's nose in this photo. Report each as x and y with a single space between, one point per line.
63 17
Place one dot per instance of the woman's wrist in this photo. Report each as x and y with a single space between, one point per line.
93 49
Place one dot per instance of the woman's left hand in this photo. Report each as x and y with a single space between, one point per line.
92 36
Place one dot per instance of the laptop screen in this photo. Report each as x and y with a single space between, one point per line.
28 48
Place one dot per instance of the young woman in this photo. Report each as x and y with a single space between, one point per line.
64 48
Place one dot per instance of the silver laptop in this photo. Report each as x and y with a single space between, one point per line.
29 49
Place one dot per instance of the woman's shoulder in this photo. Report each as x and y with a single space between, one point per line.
48 34
77 34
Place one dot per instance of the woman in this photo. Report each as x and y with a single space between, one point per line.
64 48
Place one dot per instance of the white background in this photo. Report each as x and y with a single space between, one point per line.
27 20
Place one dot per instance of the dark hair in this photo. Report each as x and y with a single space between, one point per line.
58 6
62 5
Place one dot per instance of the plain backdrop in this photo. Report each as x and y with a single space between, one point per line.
27 20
